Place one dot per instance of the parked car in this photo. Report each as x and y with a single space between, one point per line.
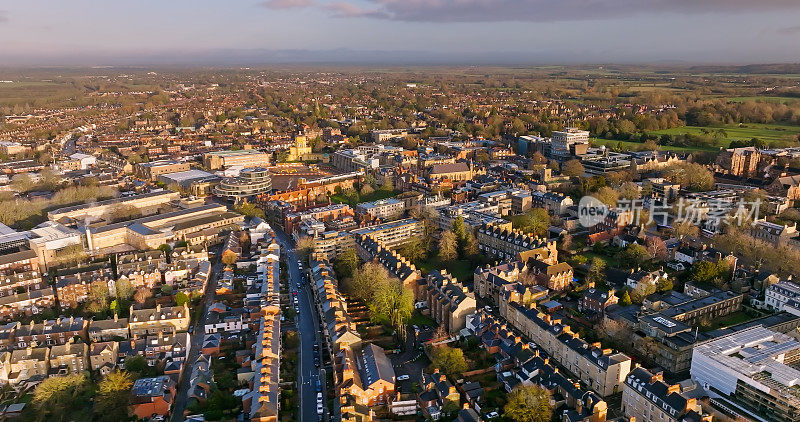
492 415
403 377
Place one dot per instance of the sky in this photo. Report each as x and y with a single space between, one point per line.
98 32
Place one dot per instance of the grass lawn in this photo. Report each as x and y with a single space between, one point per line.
632 146
463 270
782 100
611 262
765 132
732 319
374 196
419 320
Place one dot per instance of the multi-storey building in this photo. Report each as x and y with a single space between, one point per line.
250 183
755 368
393 233
569 142
108 329
512 244
153 231
74 289
330 244
601 369
449 301
554 203
70 358
146 204
783 296
741 162
51 332
396 264
103 356
646 397
151 170
245 158
28 362
384 209
168 319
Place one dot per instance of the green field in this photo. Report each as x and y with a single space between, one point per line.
782 100
634 146
765 132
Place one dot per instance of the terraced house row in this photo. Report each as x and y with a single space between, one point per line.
363 375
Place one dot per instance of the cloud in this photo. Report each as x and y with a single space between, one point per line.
347 10
287 4
3 16
792 30
541 10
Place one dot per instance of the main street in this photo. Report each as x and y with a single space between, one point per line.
308 332
197 338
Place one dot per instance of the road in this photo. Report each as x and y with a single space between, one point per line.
196 340
308 331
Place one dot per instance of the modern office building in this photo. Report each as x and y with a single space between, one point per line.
755 370
250 183
245 158
393 233
384 209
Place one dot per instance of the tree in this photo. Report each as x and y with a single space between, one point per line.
113 396
364 281
244 241
62 398
97 300
304 247
124 289
710 272
597 271
291 340
181 298
534 221
448 246
413 249
607 196
448 360
142 294
391 300
656 247
229 258
573 168
346 263
470 247
387 185
641 291
625 299
664 284
136 365
538 159
166 289
634 255
165 248
685 228
528 403
366 189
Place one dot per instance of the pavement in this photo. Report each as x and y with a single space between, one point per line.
309 332
196 339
